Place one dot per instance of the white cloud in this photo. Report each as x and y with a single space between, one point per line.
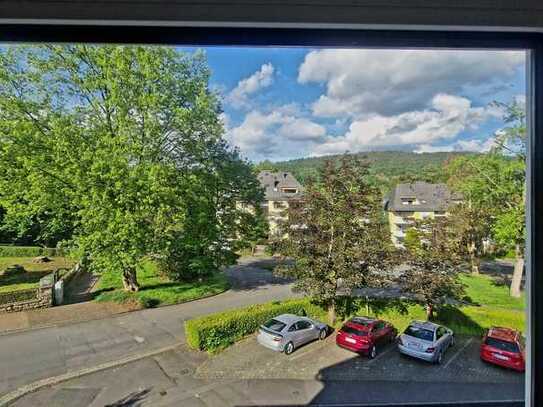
262 78
277 134
448 117
390 82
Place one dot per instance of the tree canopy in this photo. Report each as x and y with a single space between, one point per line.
123 146
337 235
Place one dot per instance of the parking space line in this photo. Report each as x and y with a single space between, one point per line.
457 353
310 349
391 347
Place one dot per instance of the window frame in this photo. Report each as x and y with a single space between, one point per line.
247 34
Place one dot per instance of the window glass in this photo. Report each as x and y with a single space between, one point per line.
275 325
303 324
419 333
378 183
502 345
353 331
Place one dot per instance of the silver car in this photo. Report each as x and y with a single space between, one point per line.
426 340
286 332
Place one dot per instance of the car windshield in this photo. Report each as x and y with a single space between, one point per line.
362 321
502 345
420 333
275 325
354 331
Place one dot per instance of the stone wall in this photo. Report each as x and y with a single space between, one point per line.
41 297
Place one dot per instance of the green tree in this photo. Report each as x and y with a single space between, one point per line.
217 222
337 235
472 226
433 261
494 185
121 144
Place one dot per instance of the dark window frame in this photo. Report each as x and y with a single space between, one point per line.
351 38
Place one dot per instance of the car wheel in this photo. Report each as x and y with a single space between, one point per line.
439 358
373 352
322 334
452 342
289 348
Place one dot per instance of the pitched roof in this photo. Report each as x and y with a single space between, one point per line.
274 184
427 197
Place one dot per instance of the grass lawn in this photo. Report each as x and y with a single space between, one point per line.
493 307
484 291
156 290
35 271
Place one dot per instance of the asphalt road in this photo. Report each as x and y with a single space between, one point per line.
37 354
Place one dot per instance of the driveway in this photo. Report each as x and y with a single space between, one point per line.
36 354
328 362
319 374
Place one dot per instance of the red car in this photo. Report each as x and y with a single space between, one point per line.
365 335
504 347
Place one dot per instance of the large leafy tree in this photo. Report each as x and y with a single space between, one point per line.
494 185
120 144
336 235
433 260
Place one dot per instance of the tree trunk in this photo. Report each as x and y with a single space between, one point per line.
474 260
130 281
332 313
517 273
429 312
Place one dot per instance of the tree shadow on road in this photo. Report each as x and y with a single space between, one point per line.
255 273
131 400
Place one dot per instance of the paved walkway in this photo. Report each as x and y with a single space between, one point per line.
80 288
36 354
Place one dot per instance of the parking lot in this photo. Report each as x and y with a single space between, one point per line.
326 361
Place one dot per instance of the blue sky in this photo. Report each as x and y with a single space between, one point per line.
283 103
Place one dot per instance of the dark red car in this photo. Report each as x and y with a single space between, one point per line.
504 347
365 335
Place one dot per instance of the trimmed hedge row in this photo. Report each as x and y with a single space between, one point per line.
28 251
217 331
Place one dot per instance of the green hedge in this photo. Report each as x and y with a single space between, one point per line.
217 331
28 251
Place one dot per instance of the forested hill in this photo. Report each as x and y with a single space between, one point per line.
387 167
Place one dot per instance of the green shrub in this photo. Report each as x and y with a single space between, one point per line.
217 331
28 251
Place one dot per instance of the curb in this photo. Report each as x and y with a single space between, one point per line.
9 398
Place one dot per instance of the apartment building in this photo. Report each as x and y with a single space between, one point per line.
279 188
416 201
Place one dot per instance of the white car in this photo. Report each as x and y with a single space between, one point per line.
287 332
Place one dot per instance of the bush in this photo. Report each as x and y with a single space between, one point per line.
217 331
28 251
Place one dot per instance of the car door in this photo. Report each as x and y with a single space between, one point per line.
378 332
305 331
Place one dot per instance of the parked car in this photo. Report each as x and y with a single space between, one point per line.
426 340
504 347
287 332
365 335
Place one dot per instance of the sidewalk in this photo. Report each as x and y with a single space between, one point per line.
72 313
